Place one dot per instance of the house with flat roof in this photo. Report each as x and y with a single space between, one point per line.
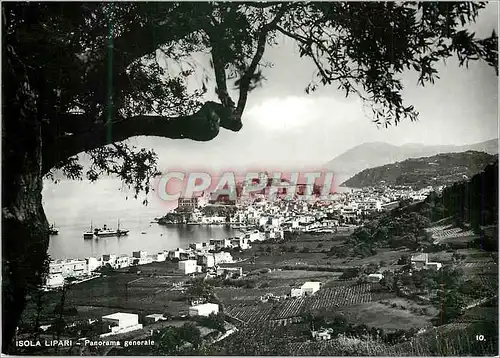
310 288
204 309
153 318
419 261
120 322
375 277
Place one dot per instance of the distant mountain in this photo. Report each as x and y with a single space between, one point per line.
370 155
441 169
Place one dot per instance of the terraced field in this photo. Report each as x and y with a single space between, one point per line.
289 308
232 294
341 296
250 313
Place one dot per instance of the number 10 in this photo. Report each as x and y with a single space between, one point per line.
479 337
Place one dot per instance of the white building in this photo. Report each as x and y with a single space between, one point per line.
273 233
296 292
187 204
220 243
176 254
54 280
375 277
122 261
213 220
240 242
204 310
223 258
134 261
139 254
159 257
253 236
207 260
273 222
92 264
188 266
263 220
68 268
311 287
372 205
229 272
120 323
321 335
434 266
153 318
109 259
197 246
419 261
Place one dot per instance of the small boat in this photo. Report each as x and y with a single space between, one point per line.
53 230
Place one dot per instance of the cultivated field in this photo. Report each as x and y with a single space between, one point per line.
378 315
341 296
250 313
288 309
120 292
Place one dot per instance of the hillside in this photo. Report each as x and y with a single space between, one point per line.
441 169
370 155
474 202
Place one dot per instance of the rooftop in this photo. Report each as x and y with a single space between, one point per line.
205 305
120 315
420 257
311 284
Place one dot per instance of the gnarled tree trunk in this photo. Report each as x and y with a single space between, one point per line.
25 230
25 236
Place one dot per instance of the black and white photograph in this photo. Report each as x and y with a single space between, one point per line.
250 178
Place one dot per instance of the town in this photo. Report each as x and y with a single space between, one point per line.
258 219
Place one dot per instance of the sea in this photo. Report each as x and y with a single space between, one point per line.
73 206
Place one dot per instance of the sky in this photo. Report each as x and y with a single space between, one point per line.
283 126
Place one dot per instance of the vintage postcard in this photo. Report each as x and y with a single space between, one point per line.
250 178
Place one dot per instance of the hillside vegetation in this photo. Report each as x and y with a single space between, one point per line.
371 155
441 169
473 202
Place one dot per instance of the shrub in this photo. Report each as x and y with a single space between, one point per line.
215 321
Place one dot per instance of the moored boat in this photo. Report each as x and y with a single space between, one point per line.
104 232
53 230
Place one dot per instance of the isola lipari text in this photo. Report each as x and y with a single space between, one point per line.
45 343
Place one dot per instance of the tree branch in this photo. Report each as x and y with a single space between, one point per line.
261 46
203 125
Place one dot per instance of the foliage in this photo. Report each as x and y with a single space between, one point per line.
150 77
220 282
200 289
170 340
215 321
474 202
398 228
190 333
350 274
66 311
